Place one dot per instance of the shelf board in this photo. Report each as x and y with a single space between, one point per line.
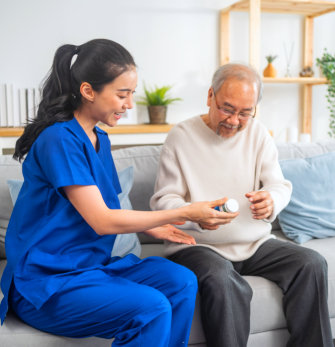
120 129
312 8
299 80
11 131
137 128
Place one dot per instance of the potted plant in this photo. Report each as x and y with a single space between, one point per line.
157 100
270 71
327 67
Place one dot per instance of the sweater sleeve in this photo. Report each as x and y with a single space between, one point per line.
271 178
170 189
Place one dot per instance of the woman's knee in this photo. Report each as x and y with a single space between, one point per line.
183 277
179 277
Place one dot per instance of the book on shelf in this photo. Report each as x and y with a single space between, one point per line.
10 105
23 107
37 100
3 106
30 104
16 107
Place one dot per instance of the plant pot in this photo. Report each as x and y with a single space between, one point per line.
157 114
270 71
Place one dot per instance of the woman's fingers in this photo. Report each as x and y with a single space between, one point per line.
170 233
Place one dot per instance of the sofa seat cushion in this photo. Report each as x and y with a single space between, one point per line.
326 247
266 310
16 333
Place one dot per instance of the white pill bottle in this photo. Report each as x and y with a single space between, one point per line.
230 206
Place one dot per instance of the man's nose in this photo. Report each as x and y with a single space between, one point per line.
234 119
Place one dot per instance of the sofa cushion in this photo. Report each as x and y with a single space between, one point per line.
326 248
126 243
14 189
9 169
304 149
301 150
311 211
15 333
144 160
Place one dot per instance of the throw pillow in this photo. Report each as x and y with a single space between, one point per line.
311 211
14 189
124 243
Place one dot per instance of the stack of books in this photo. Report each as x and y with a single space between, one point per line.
17 105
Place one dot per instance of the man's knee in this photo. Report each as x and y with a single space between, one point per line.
312 261
223 282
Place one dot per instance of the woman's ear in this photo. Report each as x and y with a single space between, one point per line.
87 91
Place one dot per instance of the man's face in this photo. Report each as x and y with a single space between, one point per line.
231 107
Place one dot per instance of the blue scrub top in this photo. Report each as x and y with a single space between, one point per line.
47 240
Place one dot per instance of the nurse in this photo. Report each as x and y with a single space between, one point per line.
60 276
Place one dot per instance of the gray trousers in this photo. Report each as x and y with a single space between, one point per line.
225 295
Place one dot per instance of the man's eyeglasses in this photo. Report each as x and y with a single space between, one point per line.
230 112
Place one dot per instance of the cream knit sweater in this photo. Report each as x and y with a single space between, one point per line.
198 165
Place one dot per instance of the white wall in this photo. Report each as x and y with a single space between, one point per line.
173 42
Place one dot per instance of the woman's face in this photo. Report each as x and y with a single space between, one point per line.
108 105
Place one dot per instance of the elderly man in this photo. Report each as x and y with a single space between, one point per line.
228 152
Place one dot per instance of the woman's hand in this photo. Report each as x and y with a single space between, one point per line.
207 217
170 233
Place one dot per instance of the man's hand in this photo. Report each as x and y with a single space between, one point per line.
261 204
170 233
207 217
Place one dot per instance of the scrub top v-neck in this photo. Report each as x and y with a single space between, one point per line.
47 240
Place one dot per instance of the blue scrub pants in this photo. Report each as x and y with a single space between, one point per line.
147 302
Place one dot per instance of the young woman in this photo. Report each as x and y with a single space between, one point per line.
60 276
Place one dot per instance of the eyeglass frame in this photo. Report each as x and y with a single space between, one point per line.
230 114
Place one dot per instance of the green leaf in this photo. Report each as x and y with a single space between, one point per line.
327 66
157 96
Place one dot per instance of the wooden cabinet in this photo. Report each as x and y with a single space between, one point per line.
309 9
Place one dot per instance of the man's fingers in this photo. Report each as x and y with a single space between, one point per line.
257 196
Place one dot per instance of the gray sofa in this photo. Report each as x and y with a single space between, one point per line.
268 327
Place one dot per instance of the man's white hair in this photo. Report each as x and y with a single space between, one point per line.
239 72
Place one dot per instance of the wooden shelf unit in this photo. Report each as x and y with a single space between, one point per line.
307 8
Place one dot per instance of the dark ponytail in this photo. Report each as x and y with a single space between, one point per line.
97 62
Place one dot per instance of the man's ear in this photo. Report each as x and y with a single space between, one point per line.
210 95
87 91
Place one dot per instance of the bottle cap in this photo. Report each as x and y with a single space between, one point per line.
231 206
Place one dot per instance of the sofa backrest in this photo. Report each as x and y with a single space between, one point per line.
9 169
144 160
